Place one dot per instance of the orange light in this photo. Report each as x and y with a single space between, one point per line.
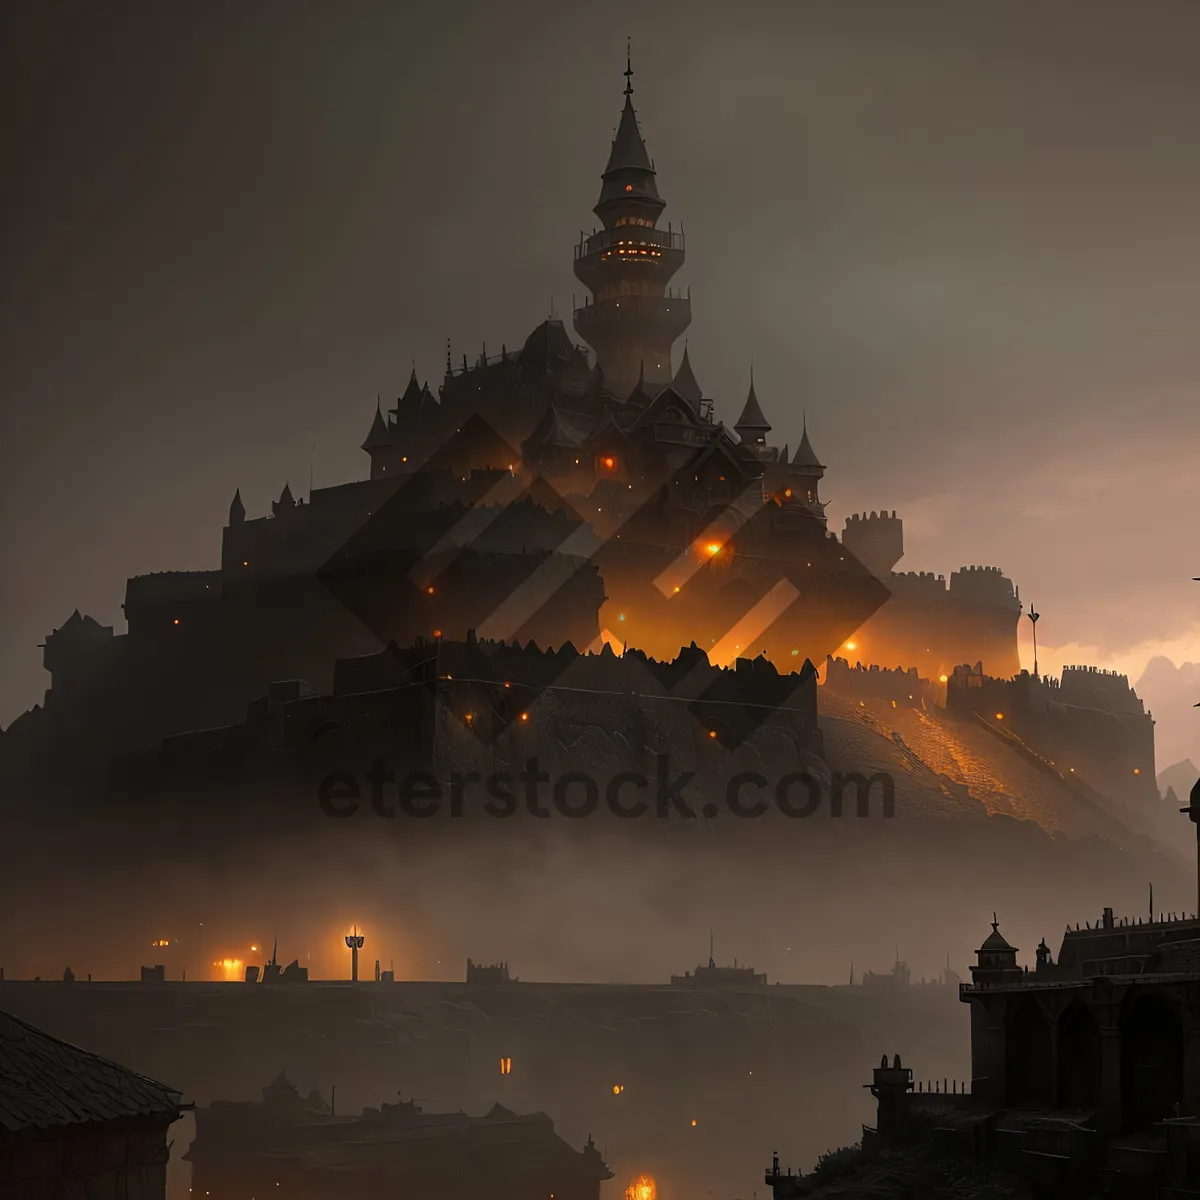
713 548
437 633
629 187
245 564
524 716
429 590
712 733
618 1088
851 645
642 1188
787 492
176 620
693 1122
944 678
610 463
999 716
1137 770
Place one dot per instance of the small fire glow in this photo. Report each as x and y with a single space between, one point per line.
944 678
851 645
229 968
642 1188
712 548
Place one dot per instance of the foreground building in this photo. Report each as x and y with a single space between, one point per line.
1085 1070
75 1124
294 1146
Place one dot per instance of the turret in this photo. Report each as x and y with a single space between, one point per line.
997 960
237 510
632 319
752 427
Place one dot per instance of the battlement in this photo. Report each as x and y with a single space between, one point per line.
984 585
876 539
897 685
876 517
489 974
1090 726
1094 687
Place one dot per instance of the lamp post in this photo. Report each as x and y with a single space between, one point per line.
1033 619
355 942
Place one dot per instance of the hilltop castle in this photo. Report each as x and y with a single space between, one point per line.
546 493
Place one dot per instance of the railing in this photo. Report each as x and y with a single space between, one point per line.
637 306
671 293
638 237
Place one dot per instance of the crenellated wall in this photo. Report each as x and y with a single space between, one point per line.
1090 725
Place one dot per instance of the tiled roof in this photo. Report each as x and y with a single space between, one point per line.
46 1083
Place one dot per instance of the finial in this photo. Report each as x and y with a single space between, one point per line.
628 67
995 924
449 368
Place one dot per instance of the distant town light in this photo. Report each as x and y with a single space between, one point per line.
944 678
524 716
429 590
176 620
851 645
999 716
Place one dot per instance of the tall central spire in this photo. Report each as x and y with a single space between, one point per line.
631 321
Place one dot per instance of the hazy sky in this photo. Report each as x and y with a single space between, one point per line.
963 238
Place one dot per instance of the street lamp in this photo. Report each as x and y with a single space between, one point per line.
355 943
1033 618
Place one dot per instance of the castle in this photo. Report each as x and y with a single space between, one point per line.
547 493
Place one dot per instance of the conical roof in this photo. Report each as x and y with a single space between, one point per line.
629 184
752 419
379 432
805 455
995 940
685 383
409 404
628 149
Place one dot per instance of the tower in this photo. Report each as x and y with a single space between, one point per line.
632 319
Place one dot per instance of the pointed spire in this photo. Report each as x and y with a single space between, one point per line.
752 420
805 455
285 497
639 397
629 185
379 432
685 383
237 510
629 66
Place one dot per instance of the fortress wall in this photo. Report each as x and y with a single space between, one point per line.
897 685
1111 751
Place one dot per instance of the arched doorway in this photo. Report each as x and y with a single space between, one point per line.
1028 1057
1078 1059
1151 1062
